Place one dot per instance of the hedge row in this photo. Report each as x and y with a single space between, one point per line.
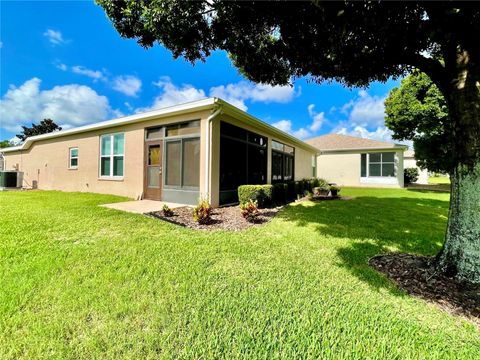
278 194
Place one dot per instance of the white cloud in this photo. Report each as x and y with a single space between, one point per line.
317 118
284 125
55 37
127 84
68 105
381 133
238 93
366 110
61 66
173 94
93 74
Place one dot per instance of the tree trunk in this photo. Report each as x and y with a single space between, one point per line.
460 255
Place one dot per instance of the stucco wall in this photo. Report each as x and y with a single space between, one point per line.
343 168
46 161
422 174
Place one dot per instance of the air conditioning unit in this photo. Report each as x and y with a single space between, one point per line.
11 179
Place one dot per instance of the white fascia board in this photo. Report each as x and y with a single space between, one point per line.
131 119
335 151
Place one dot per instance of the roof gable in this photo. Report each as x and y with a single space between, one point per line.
338 142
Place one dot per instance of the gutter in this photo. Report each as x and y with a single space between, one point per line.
218 111
334 151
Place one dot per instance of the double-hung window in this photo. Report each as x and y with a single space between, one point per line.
378 165
73 158
112 147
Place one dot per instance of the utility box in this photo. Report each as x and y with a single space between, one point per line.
11 179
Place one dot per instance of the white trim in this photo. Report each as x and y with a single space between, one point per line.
70 158
111 156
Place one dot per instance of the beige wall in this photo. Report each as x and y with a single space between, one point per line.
47 161
343 168
422 174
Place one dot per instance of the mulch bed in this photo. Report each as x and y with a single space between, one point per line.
224 218
416 275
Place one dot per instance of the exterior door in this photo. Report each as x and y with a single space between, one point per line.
153 170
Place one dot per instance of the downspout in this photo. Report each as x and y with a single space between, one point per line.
217 112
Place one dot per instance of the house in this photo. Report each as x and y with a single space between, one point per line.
205 148
352 161
409 161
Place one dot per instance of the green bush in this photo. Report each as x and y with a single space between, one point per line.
262 194
410 175
291 191
279 193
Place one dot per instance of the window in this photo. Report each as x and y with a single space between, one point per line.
243 160
188 128
112 155
182 163
154 133
379 165
283 160
73 158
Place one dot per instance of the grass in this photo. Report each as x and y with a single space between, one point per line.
82 281
438 180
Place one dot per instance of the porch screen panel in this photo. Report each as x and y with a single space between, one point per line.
191 162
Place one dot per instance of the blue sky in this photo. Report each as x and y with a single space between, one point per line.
64 60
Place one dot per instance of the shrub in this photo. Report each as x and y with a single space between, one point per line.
323 184
291 191
202 213
279 193
262 194
334 190
167 211
249 210
410 175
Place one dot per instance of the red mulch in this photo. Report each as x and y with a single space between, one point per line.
224 218
417 276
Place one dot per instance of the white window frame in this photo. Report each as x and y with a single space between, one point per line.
70 158
111 156
381 162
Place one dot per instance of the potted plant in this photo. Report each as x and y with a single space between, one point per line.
334 190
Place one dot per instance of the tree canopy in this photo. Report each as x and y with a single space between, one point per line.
45 126
417 111
4 144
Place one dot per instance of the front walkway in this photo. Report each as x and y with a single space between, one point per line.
141 206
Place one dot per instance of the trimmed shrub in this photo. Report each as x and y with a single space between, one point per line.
291 191
262 194
410 175
279 193
249 210
203 212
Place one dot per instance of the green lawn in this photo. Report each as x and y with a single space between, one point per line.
81 281
438 180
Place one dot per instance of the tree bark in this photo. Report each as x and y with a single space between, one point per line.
460 256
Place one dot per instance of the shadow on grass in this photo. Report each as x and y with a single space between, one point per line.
368 226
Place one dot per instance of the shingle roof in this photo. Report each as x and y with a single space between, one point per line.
345 142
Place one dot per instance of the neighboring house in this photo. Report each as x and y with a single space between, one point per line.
409 161
205 148
352 161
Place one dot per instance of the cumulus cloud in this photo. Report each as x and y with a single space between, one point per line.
93 74
68 105
54 37
317 120
127 84
238 93
365 110
172 94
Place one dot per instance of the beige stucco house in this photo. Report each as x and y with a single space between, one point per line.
205 148
352 161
